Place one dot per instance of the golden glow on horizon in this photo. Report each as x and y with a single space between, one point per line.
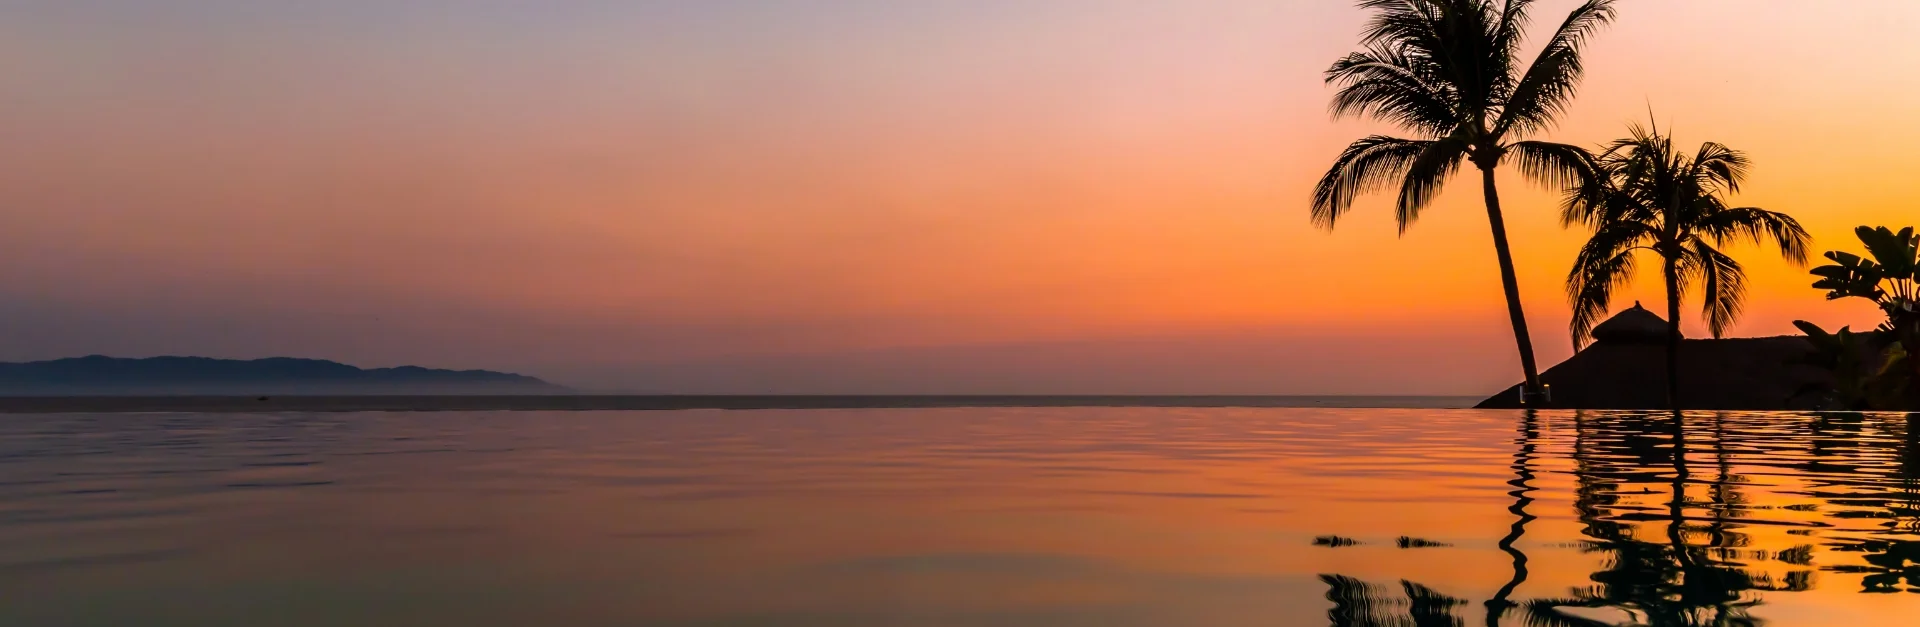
1069 172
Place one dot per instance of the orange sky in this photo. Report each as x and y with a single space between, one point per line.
854 196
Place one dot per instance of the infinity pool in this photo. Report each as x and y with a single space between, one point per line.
1001 516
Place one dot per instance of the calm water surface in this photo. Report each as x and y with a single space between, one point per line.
996 516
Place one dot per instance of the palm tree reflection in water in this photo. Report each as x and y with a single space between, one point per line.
1891 563
1359 604
1657 583
1678 556
1522 488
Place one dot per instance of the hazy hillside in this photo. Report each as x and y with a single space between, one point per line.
100 375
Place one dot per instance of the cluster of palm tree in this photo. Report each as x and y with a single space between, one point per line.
1448 72
1648 196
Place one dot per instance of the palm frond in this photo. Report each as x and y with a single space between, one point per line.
1603 265
1426 175
1548 86
1595 201
1422 29
1389 84
1366 165
1724 285
1463 49
1640 176
1721 169
1561 167
1758 225
1510 31
1639 139
1411 21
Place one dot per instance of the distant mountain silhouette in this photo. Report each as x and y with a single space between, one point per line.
101 375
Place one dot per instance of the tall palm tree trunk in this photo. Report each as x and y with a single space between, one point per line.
1673 335
1510 282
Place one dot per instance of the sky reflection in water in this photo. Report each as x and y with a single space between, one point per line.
1145 516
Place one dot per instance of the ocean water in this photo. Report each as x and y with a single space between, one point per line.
960 516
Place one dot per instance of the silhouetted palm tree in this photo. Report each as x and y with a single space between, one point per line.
1652 197
1448 72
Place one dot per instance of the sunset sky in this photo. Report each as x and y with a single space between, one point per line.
960 196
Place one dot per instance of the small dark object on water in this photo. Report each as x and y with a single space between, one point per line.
1416 543
1335 541
262 398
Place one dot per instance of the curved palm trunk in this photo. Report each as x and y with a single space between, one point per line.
1673 335
1522 488
1511 283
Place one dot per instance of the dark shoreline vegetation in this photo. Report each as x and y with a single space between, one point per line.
1448 73
1838 371
1627 369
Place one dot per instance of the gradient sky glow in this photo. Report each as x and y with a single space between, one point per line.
851 195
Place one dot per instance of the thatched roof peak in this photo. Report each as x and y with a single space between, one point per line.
1632 326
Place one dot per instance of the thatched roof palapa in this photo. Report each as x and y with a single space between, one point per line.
1625 368
1633 326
